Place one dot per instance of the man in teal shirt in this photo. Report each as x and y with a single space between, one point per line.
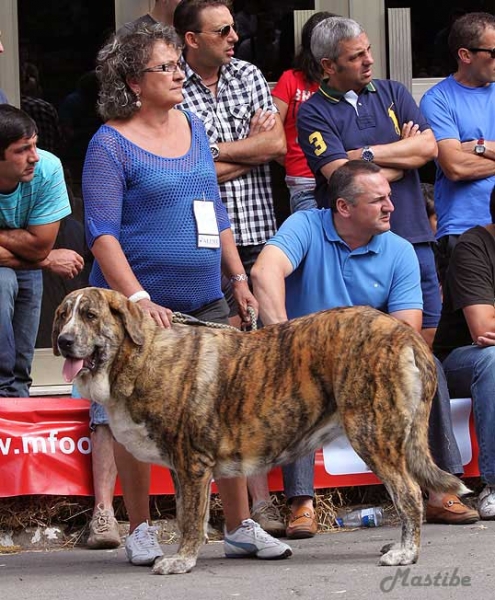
33 200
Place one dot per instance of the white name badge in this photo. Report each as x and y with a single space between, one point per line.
206 222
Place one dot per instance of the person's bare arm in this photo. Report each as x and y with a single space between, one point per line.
228 171
459 162
412 151
7 259
262 121
390 174
413 317
283 107
256 149
480 319
32 244
63 262
232 265
268 278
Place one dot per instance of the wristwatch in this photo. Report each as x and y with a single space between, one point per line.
480 147
367 154
215 151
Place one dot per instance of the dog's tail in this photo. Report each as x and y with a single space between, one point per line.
418 455
431 477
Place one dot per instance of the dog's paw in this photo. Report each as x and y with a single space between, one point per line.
394 556
389 547
168 565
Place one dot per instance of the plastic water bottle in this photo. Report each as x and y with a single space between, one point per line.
365 517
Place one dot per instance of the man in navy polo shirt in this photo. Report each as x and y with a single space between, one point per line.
353 116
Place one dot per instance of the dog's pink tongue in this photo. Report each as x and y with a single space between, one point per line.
72 366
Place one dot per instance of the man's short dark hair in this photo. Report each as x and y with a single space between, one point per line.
187 14
492 204
466 31
342 182
15 124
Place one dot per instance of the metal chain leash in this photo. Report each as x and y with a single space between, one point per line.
178 317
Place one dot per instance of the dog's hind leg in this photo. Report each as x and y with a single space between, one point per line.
192 497
407 498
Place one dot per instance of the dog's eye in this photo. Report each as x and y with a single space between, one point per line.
91 315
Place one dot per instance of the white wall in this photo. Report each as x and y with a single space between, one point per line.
128 10
9 60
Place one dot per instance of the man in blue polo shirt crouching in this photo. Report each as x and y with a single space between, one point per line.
347 256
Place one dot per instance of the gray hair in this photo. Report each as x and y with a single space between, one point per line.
327 35
123 58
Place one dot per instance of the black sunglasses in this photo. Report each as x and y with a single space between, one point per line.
491 51
222 32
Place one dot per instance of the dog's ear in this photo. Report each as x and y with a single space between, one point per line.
130 313
56 329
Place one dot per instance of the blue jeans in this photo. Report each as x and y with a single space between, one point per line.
20 307
302 193
470 372
299 476
432 301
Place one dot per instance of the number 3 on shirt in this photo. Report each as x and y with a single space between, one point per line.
317 141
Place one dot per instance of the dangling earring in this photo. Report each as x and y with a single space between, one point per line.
138 102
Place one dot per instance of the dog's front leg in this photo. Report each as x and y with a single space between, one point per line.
192 498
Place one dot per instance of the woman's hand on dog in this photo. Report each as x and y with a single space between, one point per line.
161 315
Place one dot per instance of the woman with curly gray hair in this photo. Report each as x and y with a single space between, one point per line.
159 233
123 60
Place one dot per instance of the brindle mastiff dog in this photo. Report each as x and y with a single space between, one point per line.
219 403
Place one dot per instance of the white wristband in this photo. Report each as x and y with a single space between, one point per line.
141 295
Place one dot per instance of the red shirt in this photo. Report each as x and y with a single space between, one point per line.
293 89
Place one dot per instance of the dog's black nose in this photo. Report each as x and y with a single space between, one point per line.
65 341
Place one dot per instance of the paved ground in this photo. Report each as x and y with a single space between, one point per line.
336 565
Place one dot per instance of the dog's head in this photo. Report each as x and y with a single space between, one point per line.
89 327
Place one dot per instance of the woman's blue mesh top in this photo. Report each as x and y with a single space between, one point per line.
146 202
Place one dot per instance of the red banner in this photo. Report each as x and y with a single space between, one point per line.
45 448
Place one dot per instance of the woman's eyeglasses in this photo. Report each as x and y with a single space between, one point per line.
222 32
491 51
164 68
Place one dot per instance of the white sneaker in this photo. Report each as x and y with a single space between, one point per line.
486 502
250 540
142 547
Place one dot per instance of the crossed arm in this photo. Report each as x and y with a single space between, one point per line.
480 319
413 150
31 248
459 162
265 142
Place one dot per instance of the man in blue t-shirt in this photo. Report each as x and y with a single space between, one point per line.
33 200
460 110
353 116
347 256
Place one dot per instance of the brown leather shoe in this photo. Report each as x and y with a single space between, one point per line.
302 524
452 512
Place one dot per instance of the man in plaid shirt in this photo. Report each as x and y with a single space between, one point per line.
235 104
233 100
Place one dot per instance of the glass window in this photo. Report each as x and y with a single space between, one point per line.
430 26
266 33
58 42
